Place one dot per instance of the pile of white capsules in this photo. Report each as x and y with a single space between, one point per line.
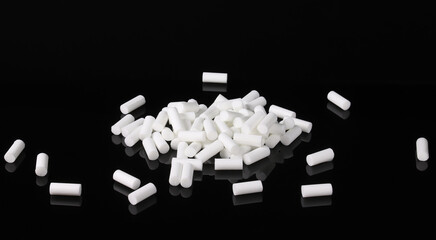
229 133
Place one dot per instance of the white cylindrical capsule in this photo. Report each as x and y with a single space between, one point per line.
222 127
248 139
124 121
147 127
266 123
247 187
126 130
237 104
224 105
316 190
196 163
209 128
252 122
228 164
253 94
175 120
325 155
184 107
277 128
160 143
422 149
210 150
161 121
192 149
272 140
187 175
211 112
192 136
133 137
132 104
14 151
175 143
281 112
339 100
288 122
259 101
167 134
150 148
141 193
303 124
290 135
228 116
65 189
197 124
181 148
175 173
228 143
41 166
256 155
126 179
214 77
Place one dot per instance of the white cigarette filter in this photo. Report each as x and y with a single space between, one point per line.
187 175
132 104
65 189
228 163
256 155
316 190
247 187
289 136
124 121
422 152
325 155
175 173
210 151
281 112
214 77
126 179
150 148
142 193
14 151
41 166
338 100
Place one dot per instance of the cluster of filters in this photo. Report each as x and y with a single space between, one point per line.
229 133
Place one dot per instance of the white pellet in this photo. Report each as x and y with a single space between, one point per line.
167 134
239 121
174 143
290 135
41 166
222 127
187 116
281 112
181 148
247 187
224 105
124 121
248 139
201 109
266 123
316 190
253 94
192 136
259 101
339 100
252 122
246 113
214 77
14 151
228 116
210 151
209 128
161 145
150 148
228 143
277 128
126 130
175 120
325 155
126 179
220 98
192 149
196 163
65 189
132 104
211 112
133 137
225 153
187 175
142 193
288 122
256 155
303 124
187 107
147 127
237 104
197 124
272 140
422 152
175 173
228 164
161 121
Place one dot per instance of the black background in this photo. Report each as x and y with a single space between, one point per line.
67 66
